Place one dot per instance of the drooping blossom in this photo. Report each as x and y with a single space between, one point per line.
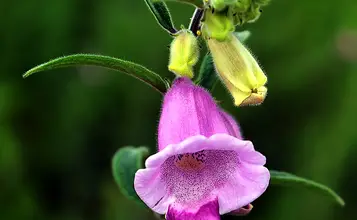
204 168
239 71
235 65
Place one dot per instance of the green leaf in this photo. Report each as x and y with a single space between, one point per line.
161 14
125 163
207 76
130 68
283 178
242 36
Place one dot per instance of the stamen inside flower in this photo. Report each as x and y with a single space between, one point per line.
191 161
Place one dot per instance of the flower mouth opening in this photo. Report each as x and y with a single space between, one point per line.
198 173
191 161
199 170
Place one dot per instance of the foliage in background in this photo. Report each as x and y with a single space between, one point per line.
59 131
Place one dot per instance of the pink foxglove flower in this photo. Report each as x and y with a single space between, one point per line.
203 168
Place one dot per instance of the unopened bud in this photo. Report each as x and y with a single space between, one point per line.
247 11
222 4
239 71
184 54
242 5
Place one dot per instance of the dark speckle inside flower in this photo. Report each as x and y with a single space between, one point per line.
194 175
191 161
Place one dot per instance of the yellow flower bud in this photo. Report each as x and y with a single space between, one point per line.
239 71
184 54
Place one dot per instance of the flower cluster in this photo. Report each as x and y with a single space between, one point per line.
204 168
235 65
242 10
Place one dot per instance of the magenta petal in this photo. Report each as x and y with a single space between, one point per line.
151 189
231 171
245 210
189 110
231 124
246 185
208 211
203 167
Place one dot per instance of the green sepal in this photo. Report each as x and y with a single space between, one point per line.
242 35
287 179
217 25
130 68
126 161
219 5
162 15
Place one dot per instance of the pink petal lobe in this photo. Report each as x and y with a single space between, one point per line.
198 169
231 124
208 211
245 210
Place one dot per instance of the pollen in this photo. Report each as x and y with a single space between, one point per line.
191 161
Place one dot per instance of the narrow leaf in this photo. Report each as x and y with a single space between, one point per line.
207 76
161 14
125 163
283 178
130 68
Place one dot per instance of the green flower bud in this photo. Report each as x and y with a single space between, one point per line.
242 6
252 14
184 54
217 25
219 5
247 11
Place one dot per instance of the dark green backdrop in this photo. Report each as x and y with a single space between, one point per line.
59 129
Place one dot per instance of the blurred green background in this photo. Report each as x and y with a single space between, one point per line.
59 129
